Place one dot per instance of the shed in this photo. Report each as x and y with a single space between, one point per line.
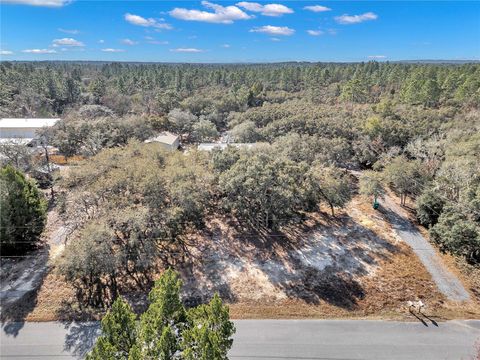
167 139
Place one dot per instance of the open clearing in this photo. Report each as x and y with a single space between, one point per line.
353 265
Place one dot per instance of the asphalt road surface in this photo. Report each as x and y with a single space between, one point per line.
274 340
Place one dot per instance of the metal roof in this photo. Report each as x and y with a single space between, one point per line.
164 137
27 123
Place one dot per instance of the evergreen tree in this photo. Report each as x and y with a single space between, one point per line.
119 333
164 318
209 336
166 331
23 212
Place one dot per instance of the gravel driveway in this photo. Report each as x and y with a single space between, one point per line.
447 283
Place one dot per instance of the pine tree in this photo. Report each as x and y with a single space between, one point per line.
210 331
164 318
119 333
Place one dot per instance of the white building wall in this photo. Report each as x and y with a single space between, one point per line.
28 133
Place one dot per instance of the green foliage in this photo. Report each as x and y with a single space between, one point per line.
429 207
165 316
23 212
119 332
50 88
457 234
246 132
130 217
204 130
333 185
166 330
264 189
209 336
371 184
406 176
90 265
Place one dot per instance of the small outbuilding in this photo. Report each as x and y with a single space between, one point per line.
167 139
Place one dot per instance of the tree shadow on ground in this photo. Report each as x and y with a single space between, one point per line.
318 260
396 220
81 337
20 297
199 295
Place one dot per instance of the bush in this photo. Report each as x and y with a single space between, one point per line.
23 208
429 208
456 234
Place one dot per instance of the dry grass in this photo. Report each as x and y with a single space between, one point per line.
63 160
56 300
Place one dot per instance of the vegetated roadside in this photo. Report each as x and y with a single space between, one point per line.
350 266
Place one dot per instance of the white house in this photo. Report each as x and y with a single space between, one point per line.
167 139
22 130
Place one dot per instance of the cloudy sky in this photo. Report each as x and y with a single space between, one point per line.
225 31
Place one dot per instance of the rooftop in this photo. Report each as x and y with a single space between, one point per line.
164 137
27 123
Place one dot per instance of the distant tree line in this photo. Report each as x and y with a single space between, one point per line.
51 88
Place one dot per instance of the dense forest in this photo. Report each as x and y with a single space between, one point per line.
412 128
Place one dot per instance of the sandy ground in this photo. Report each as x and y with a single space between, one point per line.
281 266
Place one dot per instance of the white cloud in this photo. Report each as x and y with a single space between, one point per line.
110 50
39 51
355 19
187 50
315 32
68 31
6 52
275 39
226 46
220 14
48 3
317 8
376 56
150 22
274 30
153 41
129 42
267 10
67 42
101 41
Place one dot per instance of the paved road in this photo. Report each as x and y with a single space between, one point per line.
446 282
275 339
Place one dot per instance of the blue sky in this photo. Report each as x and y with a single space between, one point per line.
226 31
